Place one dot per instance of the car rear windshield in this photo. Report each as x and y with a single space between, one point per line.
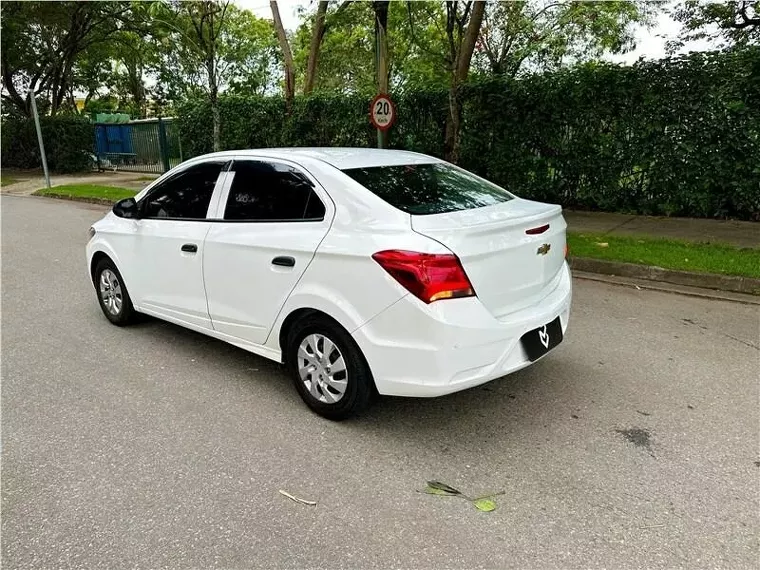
422 189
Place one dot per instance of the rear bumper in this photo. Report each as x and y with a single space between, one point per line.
422 350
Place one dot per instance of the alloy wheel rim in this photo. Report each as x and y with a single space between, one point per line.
322 368
110 292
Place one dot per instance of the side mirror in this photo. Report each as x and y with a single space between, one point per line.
126 208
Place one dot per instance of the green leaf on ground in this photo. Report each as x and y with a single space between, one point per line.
438 488
484 505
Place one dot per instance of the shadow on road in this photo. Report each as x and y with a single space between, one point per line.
515 406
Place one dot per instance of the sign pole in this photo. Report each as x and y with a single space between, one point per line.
377 73
381 61
39 138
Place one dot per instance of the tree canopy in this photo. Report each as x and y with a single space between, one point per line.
144 57
730 22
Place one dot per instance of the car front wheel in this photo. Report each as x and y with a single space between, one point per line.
112 293
328 368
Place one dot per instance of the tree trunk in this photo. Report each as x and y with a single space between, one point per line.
282 38
316 41
470 39
451 140
213 97
460 71
216 119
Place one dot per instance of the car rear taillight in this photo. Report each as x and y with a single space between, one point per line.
429 277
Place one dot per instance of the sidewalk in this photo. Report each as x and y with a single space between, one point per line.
31 181
740 234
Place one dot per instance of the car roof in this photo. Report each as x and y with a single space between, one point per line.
340 157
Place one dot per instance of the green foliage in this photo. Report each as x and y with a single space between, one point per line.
87 192
7 180
515 35
42 43
544 34
346 58
670 254
677 137
69 142
257 122
210 46
735 22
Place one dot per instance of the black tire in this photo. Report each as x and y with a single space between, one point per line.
360 385
126 314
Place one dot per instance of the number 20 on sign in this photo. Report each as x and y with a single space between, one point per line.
382 112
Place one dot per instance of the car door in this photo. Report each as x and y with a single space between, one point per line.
273 216
168 244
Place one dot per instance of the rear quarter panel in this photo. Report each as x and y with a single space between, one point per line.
343 280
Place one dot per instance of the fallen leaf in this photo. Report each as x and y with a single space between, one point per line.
484 505
438 488
602 244
434 491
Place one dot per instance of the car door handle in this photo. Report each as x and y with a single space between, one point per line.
190 248
284 261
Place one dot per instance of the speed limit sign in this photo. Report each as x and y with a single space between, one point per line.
382 112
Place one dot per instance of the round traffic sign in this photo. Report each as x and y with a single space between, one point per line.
382 112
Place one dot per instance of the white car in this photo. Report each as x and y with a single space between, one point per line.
363 271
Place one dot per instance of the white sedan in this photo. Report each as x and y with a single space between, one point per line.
363 271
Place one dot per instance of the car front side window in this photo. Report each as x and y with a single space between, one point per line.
186 195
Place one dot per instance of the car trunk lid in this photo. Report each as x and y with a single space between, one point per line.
512 252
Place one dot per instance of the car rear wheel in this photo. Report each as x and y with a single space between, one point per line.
112 294
328 368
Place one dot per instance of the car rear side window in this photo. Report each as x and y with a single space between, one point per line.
185 195
271 191
434 188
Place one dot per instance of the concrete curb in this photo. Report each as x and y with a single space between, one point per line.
100 201
746 285
663 287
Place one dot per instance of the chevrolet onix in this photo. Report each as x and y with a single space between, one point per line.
363 271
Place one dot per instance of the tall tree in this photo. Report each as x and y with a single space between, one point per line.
42 41
212 46
318 24
318 32
207 18
546 34
349 50
732 22
463 21
516 36
254 56
287 54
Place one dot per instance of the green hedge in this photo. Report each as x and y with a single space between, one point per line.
673 137
69 141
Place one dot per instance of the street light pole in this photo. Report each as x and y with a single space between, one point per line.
39 137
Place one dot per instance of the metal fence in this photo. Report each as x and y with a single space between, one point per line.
147 145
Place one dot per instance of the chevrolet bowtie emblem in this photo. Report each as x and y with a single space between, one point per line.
544 249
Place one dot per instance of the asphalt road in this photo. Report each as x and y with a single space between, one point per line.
635 444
